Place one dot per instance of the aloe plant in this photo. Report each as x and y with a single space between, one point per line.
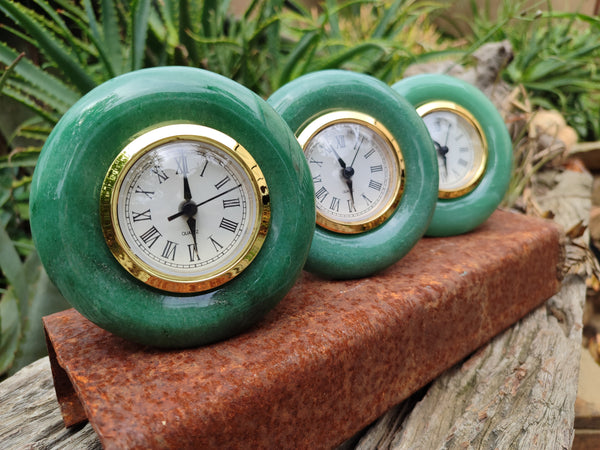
559 65
557 57
376 38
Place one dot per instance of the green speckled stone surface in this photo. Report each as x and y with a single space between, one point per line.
343 256
462 214
65 206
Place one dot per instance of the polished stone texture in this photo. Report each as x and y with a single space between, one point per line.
329 359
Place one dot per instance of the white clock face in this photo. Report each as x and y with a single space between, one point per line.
460 147
357 170
187 211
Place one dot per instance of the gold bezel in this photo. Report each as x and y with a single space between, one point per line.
115 176
307 132
479 168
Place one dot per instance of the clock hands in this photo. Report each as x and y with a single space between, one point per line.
442 152
348 171
182 166
190 208
349 184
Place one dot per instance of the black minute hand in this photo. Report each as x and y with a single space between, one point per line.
181 213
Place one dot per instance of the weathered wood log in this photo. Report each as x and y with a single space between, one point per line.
518 391
30 416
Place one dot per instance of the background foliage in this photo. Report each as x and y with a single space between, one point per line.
54 51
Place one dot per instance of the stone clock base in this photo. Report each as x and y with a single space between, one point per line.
329 359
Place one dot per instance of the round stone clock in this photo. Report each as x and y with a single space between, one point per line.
373 166
172 207
474 150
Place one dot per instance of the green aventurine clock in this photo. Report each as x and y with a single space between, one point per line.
474 150
172 207
373 166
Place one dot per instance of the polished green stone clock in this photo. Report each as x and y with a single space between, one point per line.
373 166
474 150
172 207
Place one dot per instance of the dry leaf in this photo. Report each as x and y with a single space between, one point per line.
576 230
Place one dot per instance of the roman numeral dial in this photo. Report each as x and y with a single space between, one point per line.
357 169
460 147
192 208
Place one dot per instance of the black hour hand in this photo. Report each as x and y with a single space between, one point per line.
187 193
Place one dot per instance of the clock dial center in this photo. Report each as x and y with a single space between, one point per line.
348 172
189 208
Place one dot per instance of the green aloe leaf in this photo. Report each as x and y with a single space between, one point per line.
90 18
333 18
186 29
43 299
99 48
263 28
301 52
29 102
543 68
139 31
65 33
209 11
49 45
26 158
59 91
10 330
111 36
11 265
168 10
72 7
349 54
386 19
10 69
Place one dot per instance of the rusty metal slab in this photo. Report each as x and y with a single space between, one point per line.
329 359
